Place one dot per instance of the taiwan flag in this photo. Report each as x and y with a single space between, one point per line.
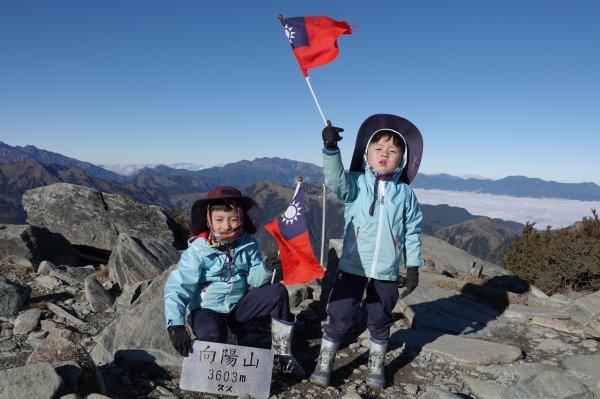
290 230
314 39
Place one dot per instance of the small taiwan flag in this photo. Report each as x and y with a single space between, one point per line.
290 230
314 39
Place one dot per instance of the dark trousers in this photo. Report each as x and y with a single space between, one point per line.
346 297
271 299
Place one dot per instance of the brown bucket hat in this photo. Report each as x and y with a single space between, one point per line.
250 207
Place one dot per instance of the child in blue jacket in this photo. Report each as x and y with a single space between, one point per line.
382 225
211 281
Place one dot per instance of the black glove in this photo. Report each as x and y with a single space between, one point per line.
412 279
180 339
331 135
273 262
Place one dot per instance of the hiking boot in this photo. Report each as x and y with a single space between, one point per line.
281 344
375 373
322 372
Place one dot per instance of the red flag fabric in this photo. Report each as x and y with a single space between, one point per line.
290 230
314 39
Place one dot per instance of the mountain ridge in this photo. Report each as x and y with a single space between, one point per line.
285 171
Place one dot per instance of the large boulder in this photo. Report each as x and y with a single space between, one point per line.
140 333
35 244
91 218
134 260
38 380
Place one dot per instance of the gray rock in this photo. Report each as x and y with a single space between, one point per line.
12 297
586 311
98 298
437 393
27 321
130 294
587 369
134 260
89 217
549 385
140 333
466 351
46 267
73 275
24 382
485 389
35 244
58 349
60 312
297 293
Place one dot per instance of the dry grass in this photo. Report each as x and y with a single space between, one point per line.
7 268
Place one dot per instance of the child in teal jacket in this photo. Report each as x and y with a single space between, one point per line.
382 227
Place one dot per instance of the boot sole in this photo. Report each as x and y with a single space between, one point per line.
375 383
319 380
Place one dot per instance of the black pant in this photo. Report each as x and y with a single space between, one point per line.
346 297
271 299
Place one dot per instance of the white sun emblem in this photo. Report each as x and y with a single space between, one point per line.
291 213
289 32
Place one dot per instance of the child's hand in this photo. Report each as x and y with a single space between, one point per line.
273 262
331 135
180 339
412 279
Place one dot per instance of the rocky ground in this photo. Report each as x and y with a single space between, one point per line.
531 352
75 326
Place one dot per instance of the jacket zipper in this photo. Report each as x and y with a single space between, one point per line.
379 224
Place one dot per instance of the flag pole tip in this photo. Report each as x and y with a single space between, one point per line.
280 16
300 178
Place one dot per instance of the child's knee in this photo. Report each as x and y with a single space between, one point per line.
212 333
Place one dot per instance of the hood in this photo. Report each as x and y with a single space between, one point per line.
411 159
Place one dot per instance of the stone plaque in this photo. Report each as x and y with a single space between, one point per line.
227 370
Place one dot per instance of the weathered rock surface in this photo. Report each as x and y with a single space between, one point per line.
134 260
38 381
12 296
88 217
35 244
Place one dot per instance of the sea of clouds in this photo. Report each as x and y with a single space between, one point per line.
543 212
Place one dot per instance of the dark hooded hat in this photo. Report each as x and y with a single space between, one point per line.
409 132
250 208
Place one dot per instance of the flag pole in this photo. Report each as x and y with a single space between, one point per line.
315 98
323 226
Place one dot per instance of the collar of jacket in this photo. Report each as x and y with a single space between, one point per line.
201 245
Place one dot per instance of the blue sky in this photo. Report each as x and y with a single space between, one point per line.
497 88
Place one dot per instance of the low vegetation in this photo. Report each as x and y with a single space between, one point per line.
560 260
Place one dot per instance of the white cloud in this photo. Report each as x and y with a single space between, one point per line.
543 211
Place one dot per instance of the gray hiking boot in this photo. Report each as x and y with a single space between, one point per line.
375 373
322 372
281 344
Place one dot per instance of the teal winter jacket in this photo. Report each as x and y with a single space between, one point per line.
204 277
374 245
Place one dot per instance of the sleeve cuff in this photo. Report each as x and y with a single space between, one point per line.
331 151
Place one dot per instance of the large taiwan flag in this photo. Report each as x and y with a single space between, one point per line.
314 39
290 230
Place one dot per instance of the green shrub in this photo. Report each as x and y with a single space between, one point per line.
561 260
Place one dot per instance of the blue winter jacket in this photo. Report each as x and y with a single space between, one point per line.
204 278
374 245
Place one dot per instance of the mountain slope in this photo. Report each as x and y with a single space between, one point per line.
10 154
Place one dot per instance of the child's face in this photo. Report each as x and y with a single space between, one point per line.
383 156
224 221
